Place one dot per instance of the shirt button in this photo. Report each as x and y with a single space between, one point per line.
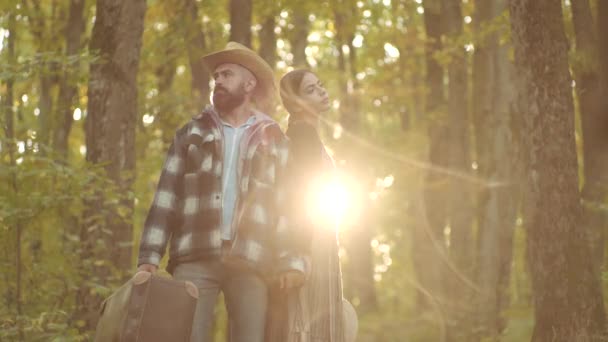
217 196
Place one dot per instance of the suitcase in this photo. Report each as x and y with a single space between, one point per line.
148 308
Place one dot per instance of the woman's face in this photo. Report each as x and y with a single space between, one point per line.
313 93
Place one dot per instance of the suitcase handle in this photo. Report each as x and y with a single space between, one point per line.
138 279
143 276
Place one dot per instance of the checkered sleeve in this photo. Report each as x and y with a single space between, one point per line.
162 215
290 257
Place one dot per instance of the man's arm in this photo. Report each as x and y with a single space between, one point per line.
161 217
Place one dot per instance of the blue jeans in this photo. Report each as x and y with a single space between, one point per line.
245 293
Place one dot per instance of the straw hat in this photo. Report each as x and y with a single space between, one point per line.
236 53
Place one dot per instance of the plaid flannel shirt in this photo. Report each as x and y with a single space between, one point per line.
186 210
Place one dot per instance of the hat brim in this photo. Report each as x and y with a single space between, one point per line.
248 60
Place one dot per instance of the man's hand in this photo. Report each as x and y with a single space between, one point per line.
291 279
147 268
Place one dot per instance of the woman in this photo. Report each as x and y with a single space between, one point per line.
315 312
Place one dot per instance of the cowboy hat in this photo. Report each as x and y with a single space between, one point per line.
236 53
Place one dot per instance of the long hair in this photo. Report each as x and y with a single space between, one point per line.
291 97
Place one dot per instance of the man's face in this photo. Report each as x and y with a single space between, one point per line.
231 86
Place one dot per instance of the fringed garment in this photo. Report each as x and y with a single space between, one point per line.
312 313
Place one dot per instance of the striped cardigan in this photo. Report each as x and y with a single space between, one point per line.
186 210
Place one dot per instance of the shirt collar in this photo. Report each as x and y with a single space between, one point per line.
250 121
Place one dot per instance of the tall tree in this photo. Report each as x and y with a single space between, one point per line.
196 45
602 26
298 36
9 131
594 117
460 193
268 36
112 104
567 293
68 84
428 252
110 126
497 163
240 21
345 21
42 29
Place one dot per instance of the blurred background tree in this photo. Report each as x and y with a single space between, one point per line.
472 136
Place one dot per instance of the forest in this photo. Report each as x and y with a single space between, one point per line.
472 137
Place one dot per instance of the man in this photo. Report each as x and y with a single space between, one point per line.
218 197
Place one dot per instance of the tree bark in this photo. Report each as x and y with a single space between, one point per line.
9 129
567 292
429 250
602 26
460 159
43 31
67 88
594 117
268 38
112 106
345 30
299 38
110 127
197 46
497 153
460 193
240 21
45 104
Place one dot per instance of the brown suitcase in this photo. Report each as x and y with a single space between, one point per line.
148 308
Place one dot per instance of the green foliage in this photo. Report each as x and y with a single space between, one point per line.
44 198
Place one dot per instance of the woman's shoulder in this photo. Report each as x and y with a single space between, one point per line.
301 130
304 141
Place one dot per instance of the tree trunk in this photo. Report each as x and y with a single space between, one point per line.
460 159
268 38
602 26
9 129
460 192
196 46
67 87
47 70
567 292
428 250
45 104
347 59
165 74
240 21
110 125
299 38
594 117
497 162
110 128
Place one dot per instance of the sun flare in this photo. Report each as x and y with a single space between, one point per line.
331 199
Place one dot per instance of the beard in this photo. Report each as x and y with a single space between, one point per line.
225 101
